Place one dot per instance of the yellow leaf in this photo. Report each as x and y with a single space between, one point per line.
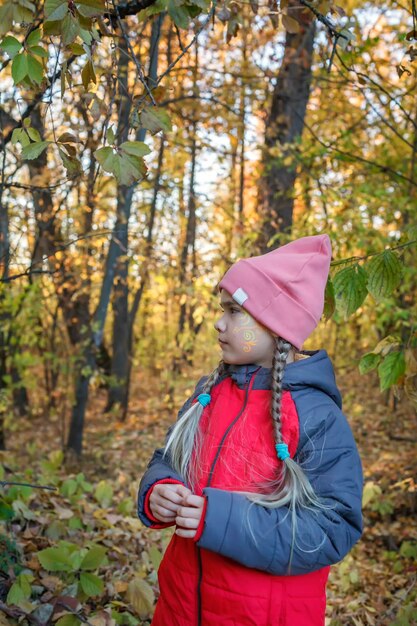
290 24
141 597
120 586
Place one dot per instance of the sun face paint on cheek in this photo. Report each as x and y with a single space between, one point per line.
247 329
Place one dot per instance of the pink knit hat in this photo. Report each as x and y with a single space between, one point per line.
284 289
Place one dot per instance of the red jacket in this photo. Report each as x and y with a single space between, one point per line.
203 588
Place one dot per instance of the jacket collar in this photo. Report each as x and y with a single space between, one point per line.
313 372
242 374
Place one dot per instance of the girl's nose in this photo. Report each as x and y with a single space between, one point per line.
220 325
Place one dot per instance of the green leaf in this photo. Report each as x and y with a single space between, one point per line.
86 36
38 51
155 556
15 594
370 491
35 69
409 549
75 558
20 135
70 29
94 558
52 28
55 559
202 4
71 164
104 492
384 274
19 68
179 15
6 511
391 369
25 581
55 10
350 289
21 589
125 507
127 169
368 362
132 169
110 136
77 49
75 524
11 45
33 150
90 8
22 510
158 7
329 300
6 18
56 530
88 75
155 119
91 584
105 156
34 38
33 134
136 148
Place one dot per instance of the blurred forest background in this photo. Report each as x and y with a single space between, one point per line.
144 146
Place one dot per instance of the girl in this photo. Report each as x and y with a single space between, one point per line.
260 474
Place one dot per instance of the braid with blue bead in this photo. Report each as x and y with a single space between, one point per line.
282 350
183 444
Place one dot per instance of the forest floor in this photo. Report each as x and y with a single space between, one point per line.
376 585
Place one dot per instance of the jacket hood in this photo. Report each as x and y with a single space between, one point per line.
315 371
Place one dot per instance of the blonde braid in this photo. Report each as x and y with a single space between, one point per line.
291 486
183 443
282 350
214 377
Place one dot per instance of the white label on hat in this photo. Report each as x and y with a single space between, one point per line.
240 296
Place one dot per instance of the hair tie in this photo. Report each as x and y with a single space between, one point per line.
282 451
204 399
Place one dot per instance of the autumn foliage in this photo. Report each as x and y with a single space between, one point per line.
144 146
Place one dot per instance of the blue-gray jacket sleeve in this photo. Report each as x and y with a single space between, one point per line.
159 467
262 538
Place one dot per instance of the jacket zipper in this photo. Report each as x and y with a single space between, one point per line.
210 478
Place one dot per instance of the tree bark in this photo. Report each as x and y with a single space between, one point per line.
144 273
283 130
48 236
186 267
4 265
120 285
118 391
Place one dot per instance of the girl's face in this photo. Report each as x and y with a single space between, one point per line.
242 340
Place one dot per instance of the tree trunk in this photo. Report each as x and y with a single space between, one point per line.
241 137
144 273
120 285
283 130
4 265
118 391
187 269
47 236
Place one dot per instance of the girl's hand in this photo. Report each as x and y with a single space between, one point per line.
189 516
165 500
